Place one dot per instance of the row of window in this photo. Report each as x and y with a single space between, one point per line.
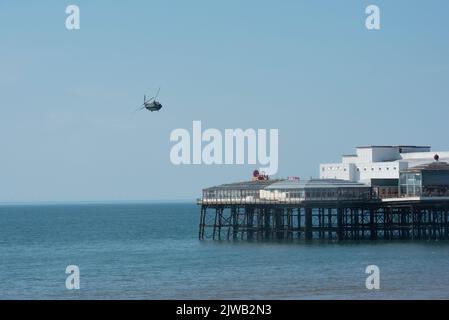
326 193
380 169
358 169
334 168
232 193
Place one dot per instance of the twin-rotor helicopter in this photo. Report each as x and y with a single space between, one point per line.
151 104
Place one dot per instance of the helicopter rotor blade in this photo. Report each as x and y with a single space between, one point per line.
140 108
152 98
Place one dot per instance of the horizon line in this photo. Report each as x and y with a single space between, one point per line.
87 202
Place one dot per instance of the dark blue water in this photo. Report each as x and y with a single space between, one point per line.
151 251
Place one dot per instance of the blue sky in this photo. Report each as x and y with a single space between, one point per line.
308 68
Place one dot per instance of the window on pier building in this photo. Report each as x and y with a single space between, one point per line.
410 184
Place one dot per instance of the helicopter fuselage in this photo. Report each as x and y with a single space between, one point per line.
153 106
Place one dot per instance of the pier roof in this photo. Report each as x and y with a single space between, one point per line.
247 185
289 184
391 146
433 166
315 183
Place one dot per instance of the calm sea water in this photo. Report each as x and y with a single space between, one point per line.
151 251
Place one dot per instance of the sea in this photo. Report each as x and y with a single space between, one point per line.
152 251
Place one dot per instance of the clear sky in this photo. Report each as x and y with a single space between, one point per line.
308 68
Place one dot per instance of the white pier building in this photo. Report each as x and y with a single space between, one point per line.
371 164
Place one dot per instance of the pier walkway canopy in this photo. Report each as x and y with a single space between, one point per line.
428 180
247 191
287 191
316 189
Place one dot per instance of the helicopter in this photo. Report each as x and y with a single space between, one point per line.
151 104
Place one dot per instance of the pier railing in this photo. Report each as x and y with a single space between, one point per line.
255 201
205 201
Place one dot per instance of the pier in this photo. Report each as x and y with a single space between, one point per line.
381 192
402 219
324 209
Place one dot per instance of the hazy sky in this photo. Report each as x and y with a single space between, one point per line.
308 68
